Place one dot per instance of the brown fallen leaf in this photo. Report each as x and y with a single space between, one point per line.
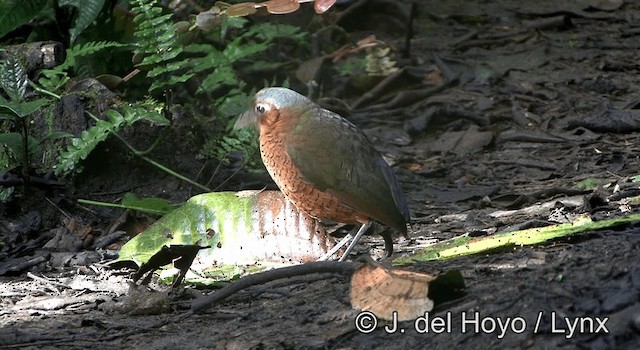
383 291
281 7
241 9
606 5
321 6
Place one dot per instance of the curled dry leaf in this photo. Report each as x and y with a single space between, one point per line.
241 9
207 20
321 6
606 5
109 80
280 7
362 44
276 7
383 291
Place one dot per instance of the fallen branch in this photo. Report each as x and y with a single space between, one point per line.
272 275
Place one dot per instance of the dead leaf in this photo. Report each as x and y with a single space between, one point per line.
207 20
321 6
281 7
383 291
109 80
462 142
241 9
606 5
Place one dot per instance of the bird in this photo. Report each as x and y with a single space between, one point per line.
325 164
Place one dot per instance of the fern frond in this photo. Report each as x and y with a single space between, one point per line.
171 80
157 43
268 31
54 79
170 64
80 147
87 49
244 140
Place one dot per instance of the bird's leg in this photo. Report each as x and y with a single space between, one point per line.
357 231
339 245
355 240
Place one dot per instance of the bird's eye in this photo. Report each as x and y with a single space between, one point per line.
261 108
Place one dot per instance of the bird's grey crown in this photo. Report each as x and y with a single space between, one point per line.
281 97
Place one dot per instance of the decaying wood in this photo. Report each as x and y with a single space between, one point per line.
37 55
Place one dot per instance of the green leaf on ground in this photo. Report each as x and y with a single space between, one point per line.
249 230
467 245
150 205
590 183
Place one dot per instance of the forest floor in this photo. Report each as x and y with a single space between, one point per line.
503 110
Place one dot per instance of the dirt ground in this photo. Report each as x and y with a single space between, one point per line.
502 110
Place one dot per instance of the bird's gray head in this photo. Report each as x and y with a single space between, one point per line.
270 100
280 98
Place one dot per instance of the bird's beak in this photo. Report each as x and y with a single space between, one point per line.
246 119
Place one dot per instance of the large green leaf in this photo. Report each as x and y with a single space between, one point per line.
88 11
14 141
240 229
11 110
14 13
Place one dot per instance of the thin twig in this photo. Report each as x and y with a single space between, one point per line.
47 281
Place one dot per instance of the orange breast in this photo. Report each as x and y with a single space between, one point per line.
306 197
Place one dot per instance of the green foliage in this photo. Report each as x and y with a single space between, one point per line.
213 60
17 147
8 160
233 228
15 13
80 147
218 64
244 140
14 109
151 205
351 66
156 45
14 144
5 193
13 79
465 245
54 79
217 59
160 51
591 183
88 11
